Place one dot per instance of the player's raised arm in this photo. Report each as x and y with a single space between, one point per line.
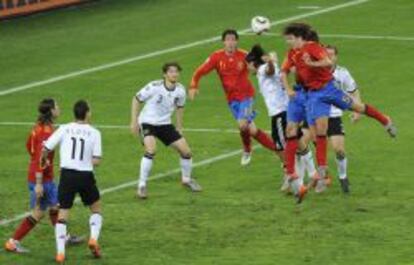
205 68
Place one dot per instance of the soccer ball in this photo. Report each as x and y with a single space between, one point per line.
260 24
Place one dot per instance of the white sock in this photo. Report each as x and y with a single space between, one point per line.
295 185
309 164
300 168
186 167
95 223
60 233
342 165
145 170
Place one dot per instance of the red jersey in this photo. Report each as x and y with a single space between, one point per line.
309 76
233 72
39 134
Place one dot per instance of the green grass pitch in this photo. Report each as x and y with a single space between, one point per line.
240 217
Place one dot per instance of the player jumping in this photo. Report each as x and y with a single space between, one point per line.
313 71
43 191
265 66
230 64
80 152
162 98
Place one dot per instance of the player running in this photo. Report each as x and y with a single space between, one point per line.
162 98
265 66
42 188
231 66
80 153
313 71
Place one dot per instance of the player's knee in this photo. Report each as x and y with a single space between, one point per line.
340 154
149 155
35 217
243 126
291 131
186 155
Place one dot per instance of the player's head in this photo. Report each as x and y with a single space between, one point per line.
332 53
48 111
230 39
296 34
81 111
255 57
171 71
312 36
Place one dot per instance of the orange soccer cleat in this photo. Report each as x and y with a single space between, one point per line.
94 248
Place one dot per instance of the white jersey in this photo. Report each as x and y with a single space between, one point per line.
79 144
271 88
344 81
160 102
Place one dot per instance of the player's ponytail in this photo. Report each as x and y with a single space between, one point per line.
45 111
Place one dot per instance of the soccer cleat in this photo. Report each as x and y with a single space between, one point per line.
391 129
192 185
344 185
74 240
142 192
300 195
94 248
14 246
285 185
246 158
60 258
320 186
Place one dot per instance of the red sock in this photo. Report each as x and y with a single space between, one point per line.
372 112
290 153
321 151
246 140
53 216
26 225
265 140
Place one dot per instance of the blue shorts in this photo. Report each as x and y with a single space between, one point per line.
243 110
296 109
49 198
320 101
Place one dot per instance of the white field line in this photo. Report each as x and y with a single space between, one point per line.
309 7
102 67
201 163
106 126
348 36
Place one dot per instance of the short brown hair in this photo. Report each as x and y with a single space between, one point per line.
298 30
167 66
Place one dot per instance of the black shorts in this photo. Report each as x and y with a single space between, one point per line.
279 123
335 126
73 182
166 133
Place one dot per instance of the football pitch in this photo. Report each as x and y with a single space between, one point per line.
106 51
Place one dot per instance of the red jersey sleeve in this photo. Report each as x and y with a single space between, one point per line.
287 63
317 52
203 69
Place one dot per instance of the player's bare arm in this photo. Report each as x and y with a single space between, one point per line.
286 85
39 185
179 117
135 109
